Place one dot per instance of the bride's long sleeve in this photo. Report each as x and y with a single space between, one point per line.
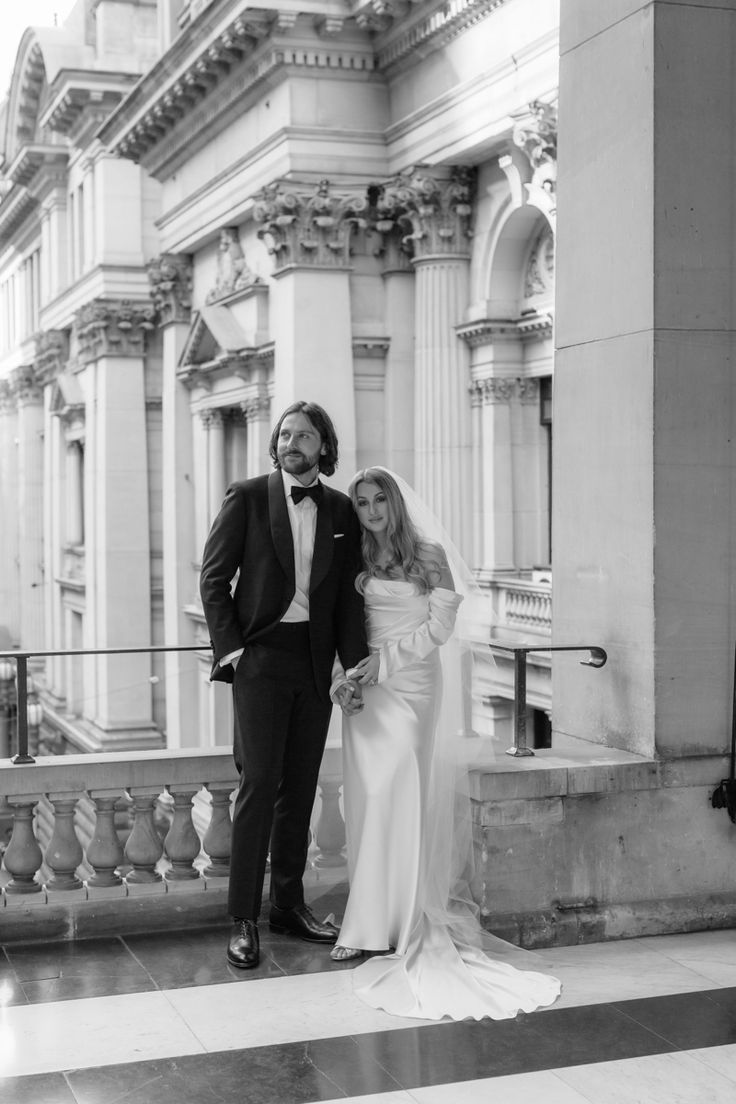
417 645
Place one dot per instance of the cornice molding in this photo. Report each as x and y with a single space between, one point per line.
431 31
15 208
79 102
487 331
37 158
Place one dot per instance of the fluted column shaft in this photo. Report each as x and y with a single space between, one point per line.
442 425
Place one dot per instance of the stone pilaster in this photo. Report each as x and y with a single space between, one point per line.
111 341
308 231
257 411
28 393
170 277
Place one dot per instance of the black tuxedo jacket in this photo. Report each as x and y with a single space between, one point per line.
251 538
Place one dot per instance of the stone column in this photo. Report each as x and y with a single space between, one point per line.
9 555
55 258
308 232
32 577
434 205
112 336
399 384
496 463
171 282
644 539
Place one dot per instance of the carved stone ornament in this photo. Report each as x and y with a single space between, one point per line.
535 132
233 273
170 277
52 353
432 211
539 278
116 328
309 227
490 391
257 408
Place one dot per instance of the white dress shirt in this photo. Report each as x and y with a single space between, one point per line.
303 521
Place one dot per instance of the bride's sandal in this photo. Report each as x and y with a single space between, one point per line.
342 954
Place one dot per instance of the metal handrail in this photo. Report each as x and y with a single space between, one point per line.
598 658
21 678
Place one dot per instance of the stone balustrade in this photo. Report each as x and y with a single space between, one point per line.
66 847
524 605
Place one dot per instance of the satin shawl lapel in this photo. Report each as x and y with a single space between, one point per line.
323 543
278 513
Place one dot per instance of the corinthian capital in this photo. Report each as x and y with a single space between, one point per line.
431 207
52 352
308 226
26 385
170 277
107 327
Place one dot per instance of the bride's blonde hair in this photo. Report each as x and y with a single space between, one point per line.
412 558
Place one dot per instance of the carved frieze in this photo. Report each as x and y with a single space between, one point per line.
107 327
493 391
233 272
170 277
430 209
535 132
309 226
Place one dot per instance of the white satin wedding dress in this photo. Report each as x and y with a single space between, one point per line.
434 969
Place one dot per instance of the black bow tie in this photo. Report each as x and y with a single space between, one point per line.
315 493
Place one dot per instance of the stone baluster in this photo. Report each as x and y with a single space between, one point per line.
217 838
330 833
105 852
64 852
182 844
23 856
144 847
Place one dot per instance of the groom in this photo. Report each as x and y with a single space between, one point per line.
294 544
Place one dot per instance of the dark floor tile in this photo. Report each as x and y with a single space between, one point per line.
264 1075
687 1020
179 959
297 957
77 987
39 1088
349 1066
11 991
595 1033
103 957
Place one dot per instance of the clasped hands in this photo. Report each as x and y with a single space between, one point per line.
349 696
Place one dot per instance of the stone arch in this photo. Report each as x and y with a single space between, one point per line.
524 240
42 52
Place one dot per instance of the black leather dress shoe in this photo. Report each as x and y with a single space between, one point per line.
300 921
243 949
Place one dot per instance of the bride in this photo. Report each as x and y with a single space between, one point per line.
410 911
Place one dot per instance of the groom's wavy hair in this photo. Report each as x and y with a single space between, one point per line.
322 422
412 557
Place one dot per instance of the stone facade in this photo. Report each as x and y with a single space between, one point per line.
287 204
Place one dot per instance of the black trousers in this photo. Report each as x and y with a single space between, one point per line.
279 736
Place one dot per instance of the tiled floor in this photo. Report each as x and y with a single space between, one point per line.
162 1019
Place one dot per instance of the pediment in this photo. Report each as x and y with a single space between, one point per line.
214 335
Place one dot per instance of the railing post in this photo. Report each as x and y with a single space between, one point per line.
64 852
144 847
21 667
23 856
520 747
330 831
182 843
218 837
105 852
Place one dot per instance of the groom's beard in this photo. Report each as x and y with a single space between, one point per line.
297 463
